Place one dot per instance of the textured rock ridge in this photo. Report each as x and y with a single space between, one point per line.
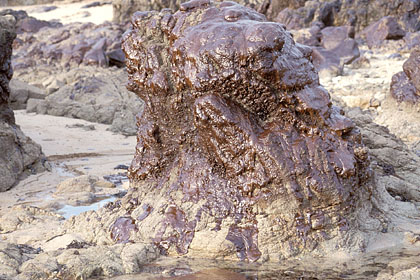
17 152
239 148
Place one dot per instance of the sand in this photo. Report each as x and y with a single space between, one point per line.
71 152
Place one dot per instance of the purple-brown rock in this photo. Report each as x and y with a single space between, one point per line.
405 85
239 148
333 36
412 68
386 28
69 45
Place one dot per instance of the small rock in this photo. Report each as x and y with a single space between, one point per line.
121 166
395 56
412 69
116 57
61 242
91 5
412 40
360 62
326 62
89 127
36 106
54 86
43 9
405 86
347 51
374 103
20 92
85 183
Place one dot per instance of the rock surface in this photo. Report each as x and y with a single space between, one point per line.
247 167
18 153
405 85
68 45
387 28
25 23
21 92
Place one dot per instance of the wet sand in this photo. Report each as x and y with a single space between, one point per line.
71 150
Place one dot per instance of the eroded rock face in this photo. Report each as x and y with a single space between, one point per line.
239 148
17 152
405 85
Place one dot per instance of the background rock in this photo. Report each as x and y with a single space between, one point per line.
405 86
5 3
18 153
387 28
20 92
64 62
359 13
97 97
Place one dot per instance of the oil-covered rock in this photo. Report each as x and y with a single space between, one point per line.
239 148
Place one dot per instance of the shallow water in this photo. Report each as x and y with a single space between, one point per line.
367 266
68 210
118 179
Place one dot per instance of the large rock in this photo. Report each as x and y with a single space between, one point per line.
326 62
240 151
405 85
18 153
387 28
340 41
332 37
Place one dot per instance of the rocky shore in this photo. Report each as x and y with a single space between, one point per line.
210 139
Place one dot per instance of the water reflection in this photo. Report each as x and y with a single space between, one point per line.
368 266
67 211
